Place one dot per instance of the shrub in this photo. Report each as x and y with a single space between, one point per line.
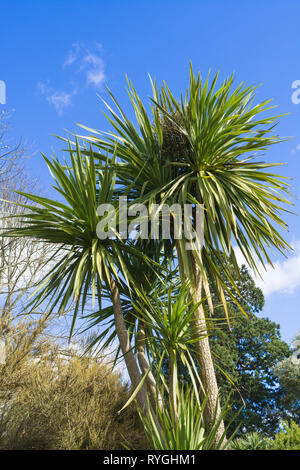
251 441
288 438
62 402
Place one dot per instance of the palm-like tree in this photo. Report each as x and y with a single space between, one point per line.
202 149
84 264
199 150
150 281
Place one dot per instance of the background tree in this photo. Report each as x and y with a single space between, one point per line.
21 261
11 154
288 372
287 438
245 355
248 353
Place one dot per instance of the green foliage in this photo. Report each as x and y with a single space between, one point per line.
202 149
178 421
183 430
247 353
245 356
251 441
84 261
168 320
288 372
288 438
199 150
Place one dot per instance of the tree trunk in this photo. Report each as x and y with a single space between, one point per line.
144 366
125 345
172 386
207 374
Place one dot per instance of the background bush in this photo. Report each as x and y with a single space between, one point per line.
251 441
288 438
51 400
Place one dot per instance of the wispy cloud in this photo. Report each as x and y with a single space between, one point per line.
83 68
88 61
284 277
95 74
59 99
71 56
295 149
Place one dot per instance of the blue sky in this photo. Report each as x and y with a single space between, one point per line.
57 56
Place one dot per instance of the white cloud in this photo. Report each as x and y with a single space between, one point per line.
95 77
72 55
88 61
284 277
81 61
295 149
59 99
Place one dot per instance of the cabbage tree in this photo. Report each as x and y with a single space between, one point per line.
83 264
204 148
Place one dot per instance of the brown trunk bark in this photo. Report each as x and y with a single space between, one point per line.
206 367
125 345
